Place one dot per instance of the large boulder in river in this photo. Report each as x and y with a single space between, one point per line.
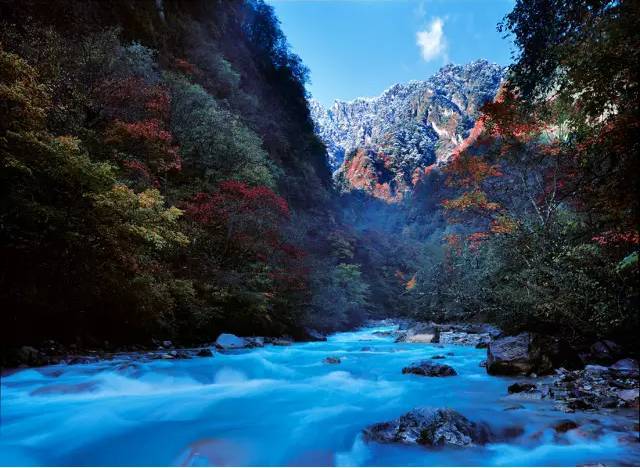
528 353
229 341
509 355
432 427
429 369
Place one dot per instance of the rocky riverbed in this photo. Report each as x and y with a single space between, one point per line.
343 401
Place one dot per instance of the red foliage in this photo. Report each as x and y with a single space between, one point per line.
186 67
147 140
140 170
236 198
249 221
617 237
132 99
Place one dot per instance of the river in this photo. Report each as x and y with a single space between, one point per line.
281 405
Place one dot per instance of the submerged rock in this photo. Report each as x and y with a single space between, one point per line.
430 369
565 425
310 334
520 387
332 360
433 427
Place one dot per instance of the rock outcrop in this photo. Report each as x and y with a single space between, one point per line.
527 353
429 369
431 427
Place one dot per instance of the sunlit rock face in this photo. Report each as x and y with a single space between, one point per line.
381 145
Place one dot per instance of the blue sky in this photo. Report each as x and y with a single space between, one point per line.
361 47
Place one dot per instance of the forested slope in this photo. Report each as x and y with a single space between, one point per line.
160 175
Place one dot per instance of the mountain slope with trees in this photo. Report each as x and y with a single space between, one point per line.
160 175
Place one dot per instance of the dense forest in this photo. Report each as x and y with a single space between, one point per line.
161 178
160 175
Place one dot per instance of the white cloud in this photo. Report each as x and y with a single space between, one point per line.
431 41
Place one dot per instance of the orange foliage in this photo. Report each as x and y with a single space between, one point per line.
476 239
411 283
503 225
473 200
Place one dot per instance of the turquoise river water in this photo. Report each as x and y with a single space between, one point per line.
284 406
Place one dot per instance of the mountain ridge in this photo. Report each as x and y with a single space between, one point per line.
379 144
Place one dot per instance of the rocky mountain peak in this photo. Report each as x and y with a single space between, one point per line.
409 127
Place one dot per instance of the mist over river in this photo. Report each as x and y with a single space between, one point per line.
281 405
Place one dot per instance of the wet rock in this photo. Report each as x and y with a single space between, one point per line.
255 341
509 433
514 407
630 397
310 334
625 367
430 369
429 427
332 360
66 389
520 387
230 341
167 344
281 342
483 363
565 425
204 352
438 356
595 387
384 333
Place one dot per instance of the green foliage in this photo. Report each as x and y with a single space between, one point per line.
343 299
231 152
